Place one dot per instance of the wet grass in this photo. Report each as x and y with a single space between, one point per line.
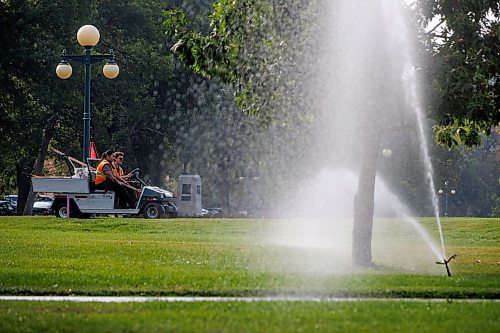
250 317
211 257
224 257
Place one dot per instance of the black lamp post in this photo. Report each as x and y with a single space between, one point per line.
88 37
446 191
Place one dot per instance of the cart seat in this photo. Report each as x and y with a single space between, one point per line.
92 182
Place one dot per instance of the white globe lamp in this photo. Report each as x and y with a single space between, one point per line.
111 70
88 35
64 70
387 153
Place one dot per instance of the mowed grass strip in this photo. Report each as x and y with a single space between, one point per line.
216 257
250 317
123 256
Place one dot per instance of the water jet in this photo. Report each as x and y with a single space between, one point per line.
365 96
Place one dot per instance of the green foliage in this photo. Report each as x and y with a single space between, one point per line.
30 102
478 179
466 133
466 69
495 198
170 120
248 51
247 47
32 97
217 54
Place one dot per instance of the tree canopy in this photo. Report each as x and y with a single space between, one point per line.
189 112
464 42
248 47
251 40
464 48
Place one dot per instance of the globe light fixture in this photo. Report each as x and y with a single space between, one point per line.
64 70
111 69
387 153
88 36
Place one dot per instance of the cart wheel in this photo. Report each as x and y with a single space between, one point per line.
61 211
154 211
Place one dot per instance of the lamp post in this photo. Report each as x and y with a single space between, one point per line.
446 191
88 37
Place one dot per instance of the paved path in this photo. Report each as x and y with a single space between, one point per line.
249 299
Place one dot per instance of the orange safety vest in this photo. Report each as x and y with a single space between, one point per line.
117 170
100 175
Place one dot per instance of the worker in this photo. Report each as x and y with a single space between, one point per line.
118 170
105 180
120 174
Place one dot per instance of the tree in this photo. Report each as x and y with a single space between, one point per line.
240 51
247 48
26 103
32 98
465 70
253 46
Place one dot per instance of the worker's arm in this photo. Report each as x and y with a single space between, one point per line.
110 176
121 179
123 182
108 171
118 180
127 177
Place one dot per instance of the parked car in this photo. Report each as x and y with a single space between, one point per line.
43 205
6 208
12 199
214 211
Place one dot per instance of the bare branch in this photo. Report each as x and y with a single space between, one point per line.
437 26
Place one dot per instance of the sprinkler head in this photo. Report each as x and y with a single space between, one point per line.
445 263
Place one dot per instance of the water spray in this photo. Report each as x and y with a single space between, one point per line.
445 263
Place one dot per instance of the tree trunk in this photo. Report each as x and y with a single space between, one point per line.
38 169
225 188
364 204
156 172
23 170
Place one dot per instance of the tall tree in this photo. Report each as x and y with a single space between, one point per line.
35 32
29 42
253 46
463 39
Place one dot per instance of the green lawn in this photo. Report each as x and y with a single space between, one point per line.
250 317
225 257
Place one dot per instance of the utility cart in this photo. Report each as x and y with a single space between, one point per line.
75 196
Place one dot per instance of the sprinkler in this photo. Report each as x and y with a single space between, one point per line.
445 263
